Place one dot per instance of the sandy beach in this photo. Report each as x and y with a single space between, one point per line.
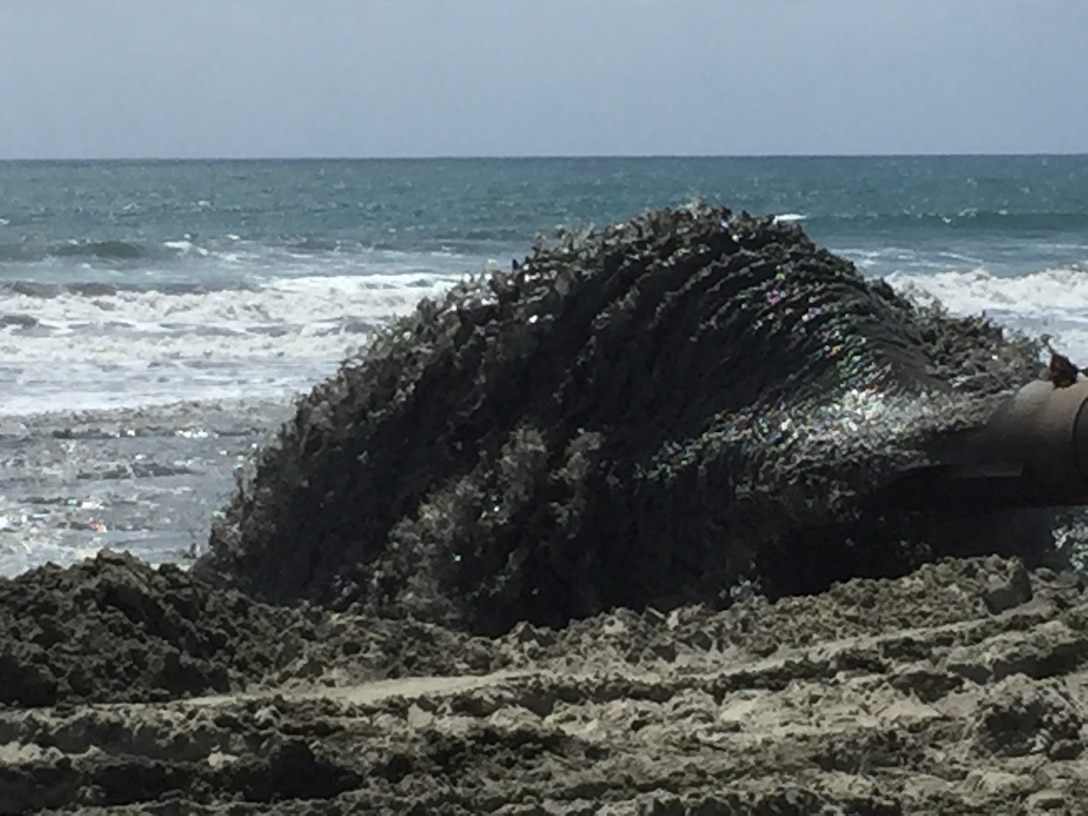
958 689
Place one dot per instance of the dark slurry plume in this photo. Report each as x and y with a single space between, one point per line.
671 410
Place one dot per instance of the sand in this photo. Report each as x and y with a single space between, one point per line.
961 688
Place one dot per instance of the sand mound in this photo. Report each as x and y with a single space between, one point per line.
113 629
663 412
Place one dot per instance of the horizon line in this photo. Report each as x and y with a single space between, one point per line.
536 156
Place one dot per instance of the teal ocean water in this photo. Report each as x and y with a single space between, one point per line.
136 283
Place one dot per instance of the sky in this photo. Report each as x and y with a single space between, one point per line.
361 78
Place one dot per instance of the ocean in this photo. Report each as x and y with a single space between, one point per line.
156 318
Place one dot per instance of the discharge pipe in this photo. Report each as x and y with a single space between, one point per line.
1032 453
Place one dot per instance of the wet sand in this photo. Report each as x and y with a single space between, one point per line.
961 688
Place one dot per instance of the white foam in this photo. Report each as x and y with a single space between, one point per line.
146 347
1049 293
1051 301
186 247
790 217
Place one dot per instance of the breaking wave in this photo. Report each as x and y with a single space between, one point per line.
101 345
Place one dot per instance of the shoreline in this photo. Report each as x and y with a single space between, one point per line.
146 479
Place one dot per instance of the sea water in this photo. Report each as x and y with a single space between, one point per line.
230 286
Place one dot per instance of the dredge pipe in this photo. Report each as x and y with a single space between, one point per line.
1032 453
